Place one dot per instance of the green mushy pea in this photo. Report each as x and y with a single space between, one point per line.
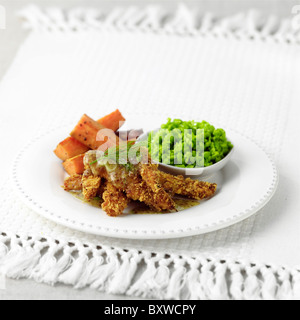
188 144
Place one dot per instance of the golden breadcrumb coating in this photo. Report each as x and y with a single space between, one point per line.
115 201
90 186
73 183
193 189
138 190
150 174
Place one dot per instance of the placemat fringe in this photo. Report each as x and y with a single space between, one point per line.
252 25
162 276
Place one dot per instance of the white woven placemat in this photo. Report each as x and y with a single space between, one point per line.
242 71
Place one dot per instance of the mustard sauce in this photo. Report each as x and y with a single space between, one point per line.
181 205
96 202
139 207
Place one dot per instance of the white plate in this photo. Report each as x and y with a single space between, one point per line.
245 185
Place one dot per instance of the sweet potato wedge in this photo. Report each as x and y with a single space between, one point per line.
113 121
70 148
74 165
94 135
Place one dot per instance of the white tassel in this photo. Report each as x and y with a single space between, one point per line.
56 19
123 278
34 18
199 287
270 285
73 273
34 258
15 248
254 22
207 23
237 282
283 30
113 17
93 18
177 281
252 290
62 264
193 281
207 280
140 287
271 26
19 262
76 19
220 290
145 20
182 20
154 280
92 271
285 291
193 285
230 25
46 263
126 16
106 271
161 281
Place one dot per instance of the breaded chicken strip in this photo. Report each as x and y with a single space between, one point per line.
150 174
90 186
193 189
160 200
115 201
138 190
73 183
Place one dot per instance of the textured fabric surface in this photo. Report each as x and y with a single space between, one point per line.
244 83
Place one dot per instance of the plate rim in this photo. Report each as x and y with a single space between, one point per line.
139 234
